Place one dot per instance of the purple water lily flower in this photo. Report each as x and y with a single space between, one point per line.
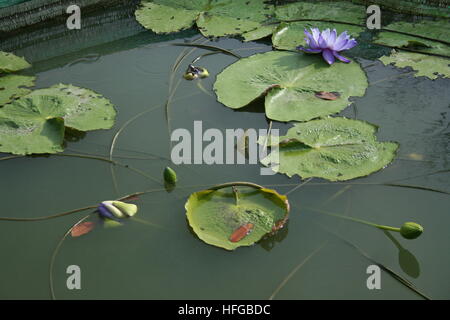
329 43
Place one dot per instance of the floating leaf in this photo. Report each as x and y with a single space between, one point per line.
430 29
290 82
338 11
259 33
333 149
425 65
218 220
35 123
11 63
82 228
213 18
14 86
288 36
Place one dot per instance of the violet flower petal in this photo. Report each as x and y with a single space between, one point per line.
341 58
340 41
328 56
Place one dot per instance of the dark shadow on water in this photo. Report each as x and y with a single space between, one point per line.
269 242
407 261
73 135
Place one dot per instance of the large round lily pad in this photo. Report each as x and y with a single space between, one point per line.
35 123
291 35
11 63
217 218
425 65
333 149
214 18
290 82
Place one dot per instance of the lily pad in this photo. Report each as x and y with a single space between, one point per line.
290 35
337 11
215 216
290 82
425 65
11 63
430 29
213 18
36 122
335 149
13 86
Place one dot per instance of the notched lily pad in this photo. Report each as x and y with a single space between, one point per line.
213 18
425 65
35 123
335 149
289 82
12 63
219 220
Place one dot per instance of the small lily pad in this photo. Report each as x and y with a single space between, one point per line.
425 65
335 149
289 82
213 18
12 63
35 123
13 86
217 219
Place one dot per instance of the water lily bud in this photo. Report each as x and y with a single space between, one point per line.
113 210
128 209
110 223
411 230
203 73
170 175
104 212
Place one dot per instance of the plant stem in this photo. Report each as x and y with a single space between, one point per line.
233 184
379 226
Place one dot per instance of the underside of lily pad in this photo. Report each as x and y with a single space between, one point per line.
219 219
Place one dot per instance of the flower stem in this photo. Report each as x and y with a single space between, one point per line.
379 226
237 183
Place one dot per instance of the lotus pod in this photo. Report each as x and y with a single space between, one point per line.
411 230
170 175
128 209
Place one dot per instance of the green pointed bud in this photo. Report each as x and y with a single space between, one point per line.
411 230
170 175
127 209
113 209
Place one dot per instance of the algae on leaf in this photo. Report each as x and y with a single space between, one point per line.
335 149
35 123
290 82
215 216
214 18
11 63
425 65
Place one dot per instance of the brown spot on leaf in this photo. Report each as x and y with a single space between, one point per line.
324 95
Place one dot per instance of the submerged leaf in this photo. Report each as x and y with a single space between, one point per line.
333 149
11 63
425 65
36 122
290 82
218 220
82 228
13 86
213 18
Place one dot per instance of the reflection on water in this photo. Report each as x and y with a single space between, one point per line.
407 261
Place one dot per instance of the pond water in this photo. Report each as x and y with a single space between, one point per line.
158 256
